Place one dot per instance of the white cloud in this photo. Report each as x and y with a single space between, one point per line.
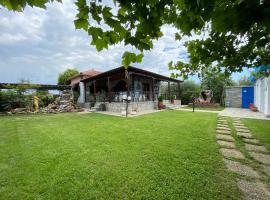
38 44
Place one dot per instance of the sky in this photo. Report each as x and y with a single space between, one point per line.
38 44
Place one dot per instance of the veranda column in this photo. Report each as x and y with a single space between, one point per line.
109 88
169 90
179 90
81 98
153 89
95 90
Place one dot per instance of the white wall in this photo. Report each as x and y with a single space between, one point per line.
81 98
262 95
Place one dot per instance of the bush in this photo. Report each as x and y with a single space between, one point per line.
160 98
11 99
189 89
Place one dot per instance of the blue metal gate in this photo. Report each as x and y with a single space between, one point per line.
247 96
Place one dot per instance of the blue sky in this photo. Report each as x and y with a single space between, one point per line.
39 44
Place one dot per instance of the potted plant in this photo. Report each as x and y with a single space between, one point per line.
160 102
172 99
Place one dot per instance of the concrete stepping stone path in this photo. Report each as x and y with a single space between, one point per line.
256 148
266 169
222 125
231 153
244 135
225 137
251 141
226 144
261 157
253 190
224 132
223 128
242 130
241 169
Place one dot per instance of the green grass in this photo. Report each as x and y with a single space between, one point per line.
260 129
219 108
165 155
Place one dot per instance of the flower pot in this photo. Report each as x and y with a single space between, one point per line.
160 105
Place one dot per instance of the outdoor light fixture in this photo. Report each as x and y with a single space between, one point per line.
127 99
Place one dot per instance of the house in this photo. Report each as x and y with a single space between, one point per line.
73 81
262 91
106 90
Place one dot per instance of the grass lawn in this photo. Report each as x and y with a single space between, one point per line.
165 155
220 108
260 129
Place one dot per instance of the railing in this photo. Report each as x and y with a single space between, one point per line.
135 96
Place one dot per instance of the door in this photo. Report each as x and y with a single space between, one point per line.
247 96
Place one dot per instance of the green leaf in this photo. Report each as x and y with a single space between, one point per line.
129 57
81 24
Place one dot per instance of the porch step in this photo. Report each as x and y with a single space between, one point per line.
96 107
172 107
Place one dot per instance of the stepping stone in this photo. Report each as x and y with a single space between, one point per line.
244 135
223 128
226 144
266 169
225 137
240 126
222 125
260 157
242 130
241 169
253 190
231 153
251 141
256 148
224 132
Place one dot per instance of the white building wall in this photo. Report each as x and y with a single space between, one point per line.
262 95
81 98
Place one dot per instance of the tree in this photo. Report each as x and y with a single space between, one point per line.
189 89
232 34
235 36
216 82
66 75
244 81
19 5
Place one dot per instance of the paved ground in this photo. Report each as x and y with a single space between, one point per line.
233 112
242 113
251 179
